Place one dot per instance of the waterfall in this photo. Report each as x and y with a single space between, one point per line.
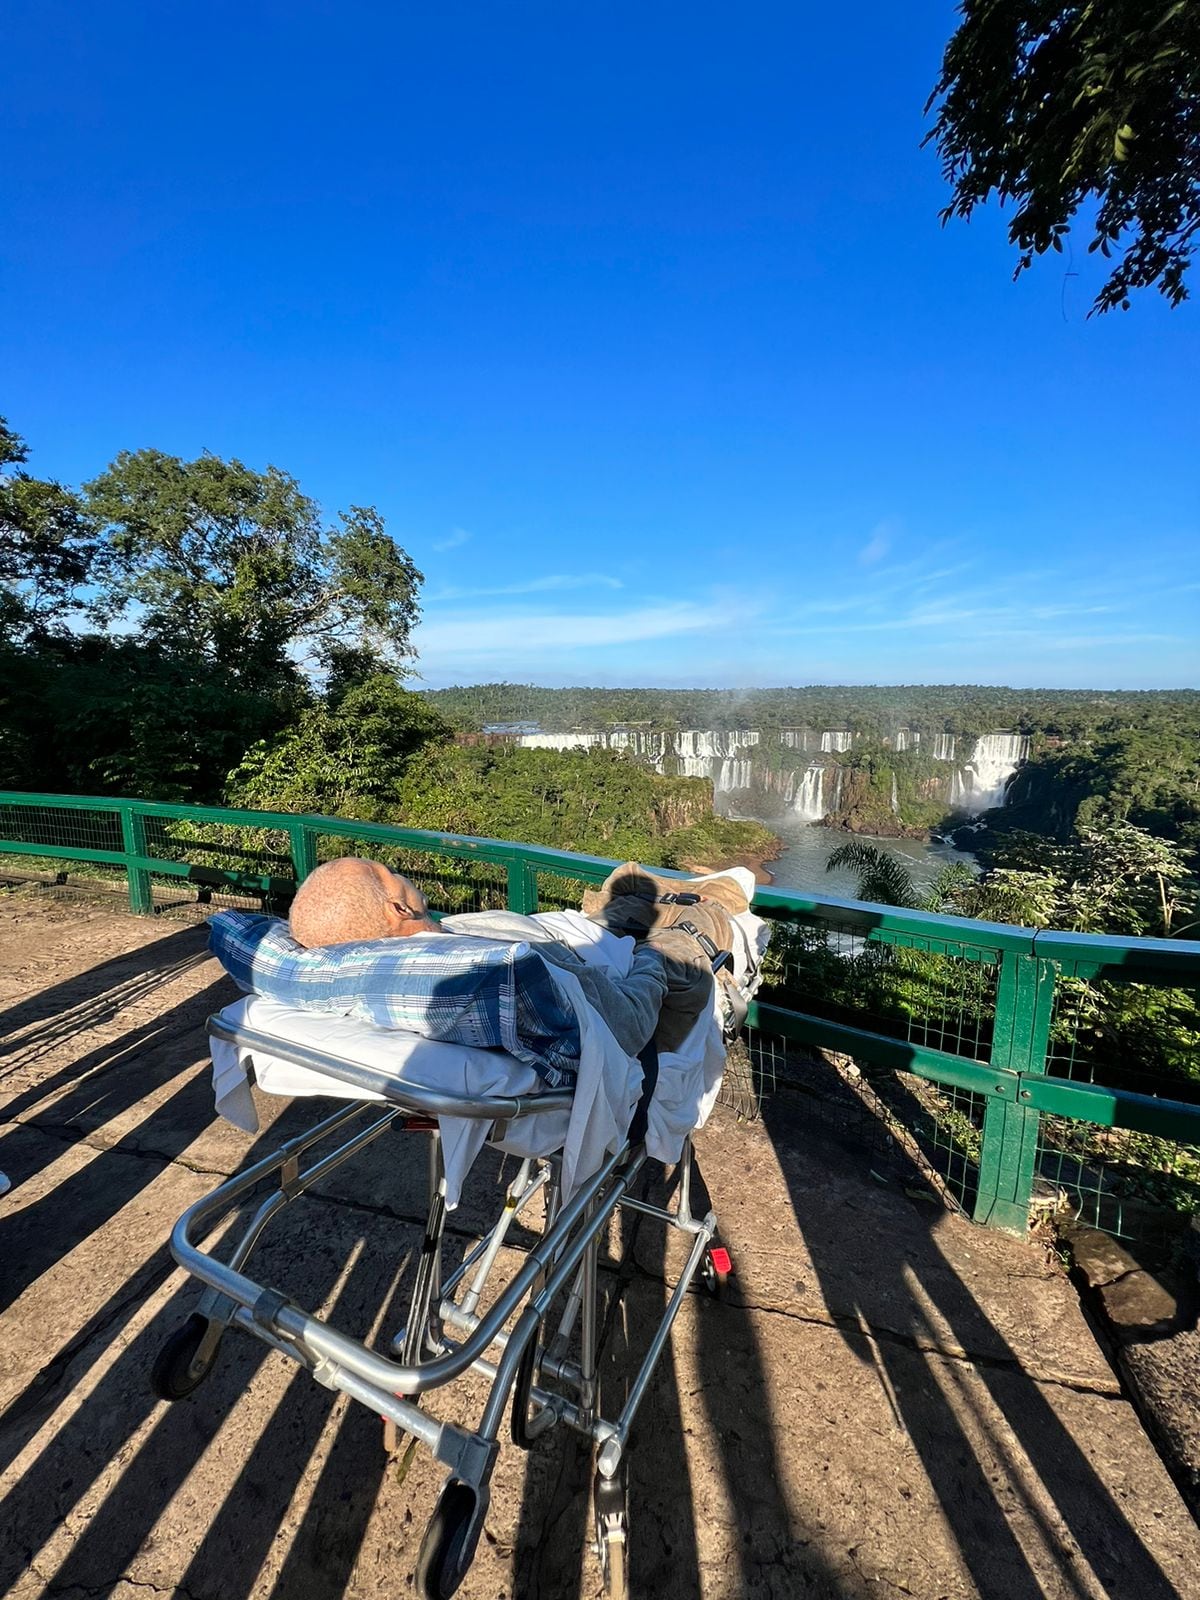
943 747
733 773
895 798
836 740
808 801
560 741
906 739
710 745
985 778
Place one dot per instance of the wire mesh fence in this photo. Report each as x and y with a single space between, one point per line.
896 1120
1135 1036
941 995
1129 1184
65 827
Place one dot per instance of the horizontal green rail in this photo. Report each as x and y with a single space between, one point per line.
1016 1080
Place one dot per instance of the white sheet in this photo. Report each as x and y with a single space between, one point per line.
606 1094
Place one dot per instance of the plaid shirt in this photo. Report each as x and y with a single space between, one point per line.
454 987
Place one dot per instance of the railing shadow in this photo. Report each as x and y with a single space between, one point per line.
761 1548
34 1237
975 1514
84 1000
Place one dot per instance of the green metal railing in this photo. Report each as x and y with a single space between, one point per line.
992 1018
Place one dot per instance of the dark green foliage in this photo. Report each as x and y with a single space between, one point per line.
1147 775
1057 106
93 715
1116 880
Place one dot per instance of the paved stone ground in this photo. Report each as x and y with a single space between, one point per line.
895 1402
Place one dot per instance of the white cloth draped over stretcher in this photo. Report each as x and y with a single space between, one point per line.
605 1095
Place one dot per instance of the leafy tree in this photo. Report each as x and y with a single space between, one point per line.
1058 105
235 566
344 758
47 545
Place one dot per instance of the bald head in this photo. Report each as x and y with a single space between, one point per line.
350 900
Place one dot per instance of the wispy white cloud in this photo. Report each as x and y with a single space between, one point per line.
454 539
878 545
551 582
470 638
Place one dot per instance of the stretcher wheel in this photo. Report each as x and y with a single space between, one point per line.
449 1543
177 1369
715 1270
611 1500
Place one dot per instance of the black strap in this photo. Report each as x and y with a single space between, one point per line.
648 1056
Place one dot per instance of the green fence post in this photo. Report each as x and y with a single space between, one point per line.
1024 1000
133 842
522 886
304 850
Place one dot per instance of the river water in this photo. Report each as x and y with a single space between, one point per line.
809 846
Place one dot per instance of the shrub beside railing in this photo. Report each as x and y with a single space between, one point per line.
1032 1052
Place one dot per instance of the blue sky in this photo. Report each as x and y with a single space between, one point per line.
637 323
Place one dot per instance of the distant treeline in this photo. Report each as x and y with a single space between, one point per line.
869 709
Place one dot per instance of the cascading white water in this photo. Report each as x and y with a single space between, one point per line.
985 778
835 740
733 773
906 739
712 745
895 797
808 802
943 747
561 741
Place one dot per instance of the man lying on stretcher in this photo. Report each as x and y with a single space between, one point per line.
482 978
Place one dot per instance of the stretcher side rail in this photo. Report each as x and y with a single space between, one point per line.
275 1314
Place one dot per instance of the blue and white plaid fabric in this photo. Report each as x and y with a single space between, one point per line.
452 987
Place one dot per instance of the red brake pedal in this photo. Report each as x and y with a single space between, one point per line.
719 1257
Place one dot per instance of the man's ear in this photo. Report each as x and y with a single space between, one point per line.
397 916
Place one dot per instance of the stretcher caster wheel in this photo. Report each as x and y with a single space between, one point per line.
449 1543
179 1367
612 1532
715 1270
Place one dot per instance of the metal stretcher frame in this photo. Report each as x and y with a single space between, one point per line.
518 1360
